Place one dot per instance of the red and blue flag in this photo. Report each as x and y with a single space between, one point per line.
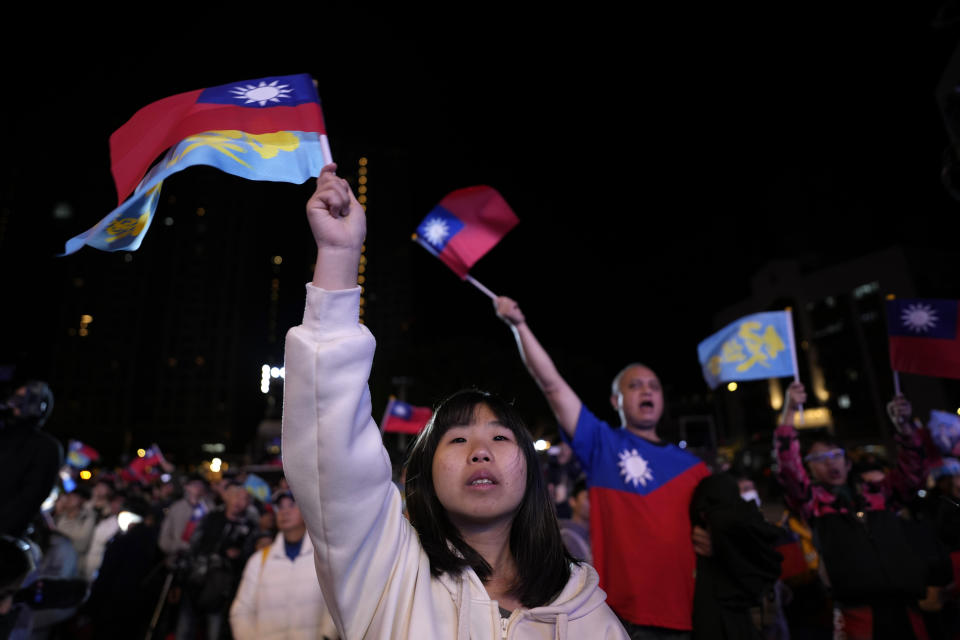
80 455
145 468
264 105
401 417
923 336
465 225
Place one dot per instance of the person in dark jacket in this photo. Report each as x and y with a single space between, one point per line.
219 549
123 595
742 567
30 459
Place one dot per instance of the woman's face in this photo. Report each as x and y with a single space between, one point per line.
479 471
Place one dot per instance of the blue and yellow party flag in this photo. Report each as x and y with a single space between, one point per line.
754 347
257 487
280 156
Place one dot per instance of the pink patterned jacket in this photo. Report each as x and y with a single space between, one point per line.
811 500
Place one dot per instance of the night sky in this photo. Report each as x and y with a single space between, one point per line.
655 160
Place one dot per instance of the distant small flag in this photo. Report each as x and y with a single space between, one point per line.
257 487
465 225
754 347
923 336
144 469
80 455
401 417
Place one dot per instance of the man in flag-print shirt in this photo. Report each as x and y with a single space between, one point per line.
640 489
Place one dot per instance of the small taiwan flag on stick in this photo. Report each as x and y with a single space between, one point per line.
464 226
924 337
401 417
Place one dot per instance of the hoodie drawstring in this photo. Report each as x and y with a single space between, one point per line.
463 614
560 630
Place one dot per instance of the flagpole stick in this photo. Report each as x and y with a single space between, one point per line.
468 277
896 383
793 354
325 149
472 281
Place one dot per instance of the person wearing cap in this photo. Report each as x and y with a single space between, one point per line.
279 595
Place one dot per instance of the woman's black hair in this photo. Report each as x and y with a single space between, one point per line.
543 563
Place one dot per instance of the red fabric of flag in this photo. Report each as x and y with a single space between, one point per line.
278 103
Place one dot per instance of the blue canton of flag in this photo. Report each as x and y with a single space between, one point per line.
439 227
281 156
400 409
637 467
288 91
754 347
926 318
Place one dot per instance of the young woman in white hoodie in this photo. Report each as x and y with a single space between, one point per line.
481 555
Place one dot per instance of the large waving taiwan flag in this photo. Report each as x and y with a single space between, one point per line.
263 105
923 335
464 225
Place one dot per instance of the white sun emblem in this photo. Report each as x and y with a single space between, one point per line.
435 230
634 468
919 317
263 93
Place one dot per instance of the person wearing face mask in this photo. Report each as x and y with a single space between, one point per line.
867 562
481 554
735 580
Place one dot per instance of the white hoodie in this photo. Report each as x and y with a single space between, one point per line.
373 572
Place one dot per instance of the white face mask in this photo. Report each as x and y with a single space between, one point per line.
751 495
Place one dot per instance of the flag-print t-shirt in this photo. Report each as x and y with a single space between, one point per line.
640 521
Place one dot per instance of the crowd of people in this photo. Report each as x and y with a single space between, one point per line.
613 533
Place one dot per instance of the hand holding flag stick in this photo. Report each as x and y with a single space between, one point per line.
339 226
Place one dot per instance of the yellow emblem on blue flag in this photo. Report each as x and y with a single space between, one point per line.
280 156
755 346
